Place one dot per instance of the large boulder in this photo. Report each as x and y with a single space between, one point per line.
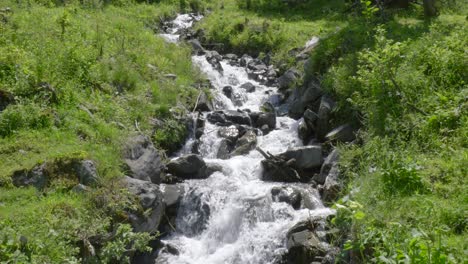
333 185
277 172
143 160
237 117
36 177
191 166
306 96
86 172
248 87
246 143
304 158
172 196
304 246
150 215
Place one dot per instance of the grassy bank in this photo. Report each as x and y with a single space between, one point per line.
80 76
403 78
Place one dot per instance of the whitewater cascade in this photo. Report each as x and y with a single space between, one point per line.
231 216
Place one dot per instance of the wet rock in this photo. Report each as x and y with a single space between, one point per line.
143 160
276 172
304 158
187 167
227 91
204 103
287 195
230 133
214 59
224 149
199 133
6 99
191 166
246 143
194 213
303 245
330 161
231 57
152 203
238 99
288 80
324 114
343 133
237 117
217 117
248 87
196 47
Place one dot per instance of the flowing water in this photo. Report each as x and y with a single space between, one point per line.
231 217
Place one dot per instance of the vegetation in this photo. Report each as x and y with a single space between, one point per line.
82 77
402 76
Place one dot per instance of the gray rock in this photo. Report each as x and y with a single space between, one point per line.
194 213
197 47
304 131
287 195
276 99
245 60
152 203
204 103
248 87
304 97
237 117
324 114
224 149
303 245
343 133
230 56
187 167
80 188
304 158
278 172
330 161
246 143
36 177
288 80
333 185
142 159
217 118
311 119
87 172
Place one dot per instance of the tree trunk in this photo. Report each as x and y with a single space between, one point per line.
429 8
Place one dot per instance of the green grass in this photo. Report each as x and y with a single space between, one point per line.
83 75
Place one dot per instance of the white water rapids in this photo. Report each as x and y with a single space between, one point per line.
243 223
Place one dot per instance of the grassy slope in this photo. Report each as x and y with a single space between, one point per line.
404 78
106 69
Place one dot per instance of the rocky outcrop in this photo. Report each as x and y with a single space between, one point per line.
83 172
151 200
143 159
